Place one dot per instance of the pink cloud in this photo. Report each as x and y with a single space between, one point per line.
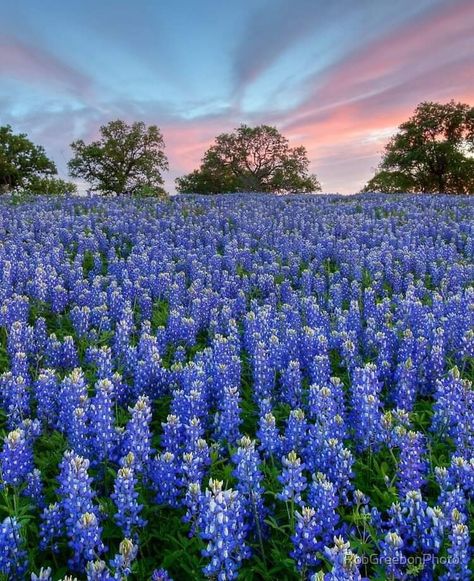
418 48
353 108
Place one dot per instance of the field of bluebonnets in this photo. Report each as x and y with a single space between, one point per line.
252 387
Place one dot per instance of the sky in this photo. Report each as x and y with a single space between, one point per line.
337 76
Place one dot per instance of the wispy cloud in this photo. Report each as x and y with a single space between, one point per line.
35 65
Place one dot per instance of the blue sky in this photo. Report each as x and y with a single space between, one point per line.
335 76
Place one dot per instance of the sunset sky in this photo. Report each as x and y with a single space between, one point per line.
336 76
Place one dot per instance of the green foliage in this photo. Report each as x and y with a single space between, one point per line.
432 152
51 186
22 163
207 180
147 191
126 159
390 182
251 159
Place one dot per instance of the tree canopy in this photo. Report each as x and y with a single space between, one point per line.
251 159
22 163
432 152
50 185
126 159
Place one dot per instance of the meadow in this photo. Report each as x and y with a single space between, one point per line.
240 386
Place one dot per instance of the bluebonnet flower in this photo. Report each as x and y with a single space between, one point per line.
405 390
34 488
51 527
322 496
32 429
46 390
453 409
192 401
349 354
102 422
193 431
312 342
467 344
78 430
305 539
195 462
452 496
72 392
292 478
18 339
102 358
16 400
291 390
391 423
80 319
76 501
385 346
366 414
20 365
43 575
172 436
263 372
249 481
69 356
325 405
391 555
320 369
334 460
16 306
123 331
192 502
16 458
40 333
53 352
435 531
437 356
412 469
227 418
164 473
344 562
137 436
13 556
461 473
282 294
125 498
269 436
222 528
295 432
160 575
122 391
459 553
59 298
122 561
98 571
86 539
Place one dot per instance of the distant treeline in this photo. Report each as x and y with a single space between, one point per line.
431 152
